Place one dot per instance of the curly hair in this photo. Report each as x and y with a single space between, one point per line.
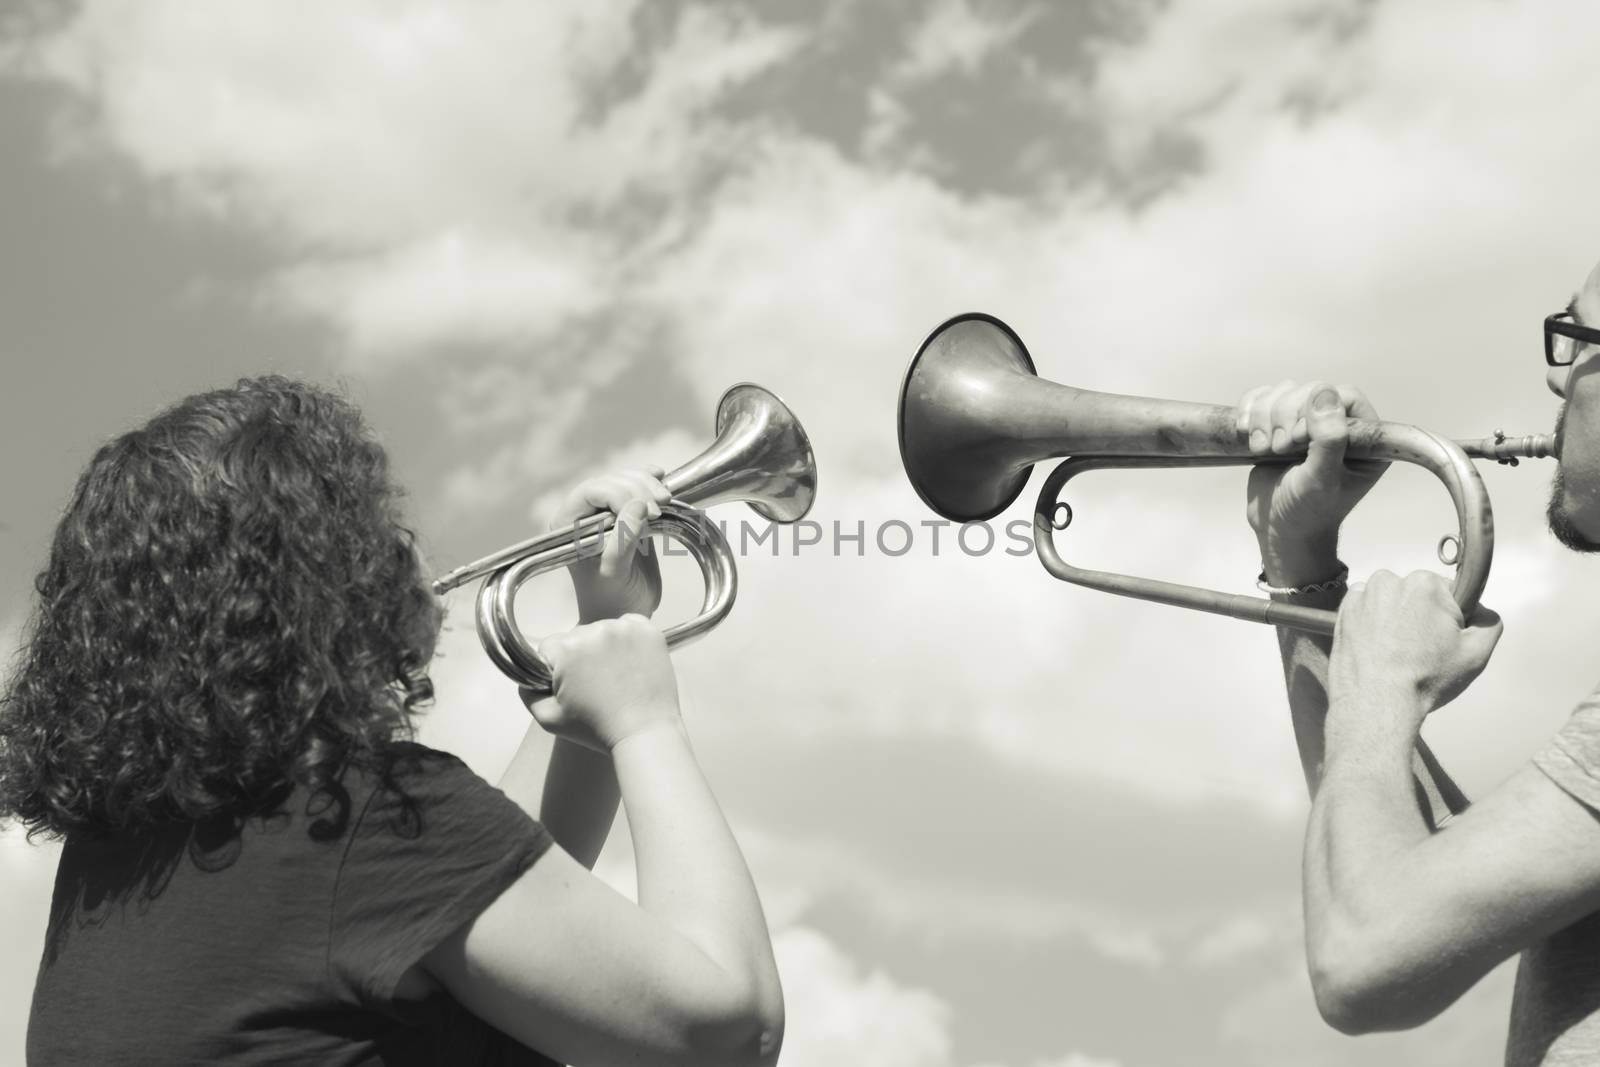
231 605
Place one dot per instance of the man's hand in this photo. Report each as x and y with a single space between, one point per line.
1402 643
1296 510
625 578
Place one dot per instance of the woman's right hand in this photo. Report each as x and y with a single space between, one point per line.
612 679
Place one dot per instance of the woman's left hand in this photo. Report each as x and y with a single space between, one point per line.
625 578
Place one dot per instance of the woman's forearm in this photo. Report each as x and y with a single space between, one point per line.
690 870
579 801
573 793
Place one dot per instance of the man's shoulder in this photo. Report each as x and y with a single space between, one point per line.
1571 758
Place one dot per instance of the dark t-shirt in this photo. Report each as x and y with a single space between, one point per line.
282 941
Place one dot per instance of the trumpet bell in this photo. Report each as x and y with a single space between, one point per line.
761 456
953 415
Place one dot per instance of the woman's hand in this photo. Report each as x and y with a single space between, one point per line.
625 578
612 680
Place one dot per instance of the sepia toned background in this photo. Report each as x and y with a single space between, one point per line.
996 821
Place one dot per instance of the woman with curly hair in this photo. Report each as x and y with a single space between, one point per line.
212 709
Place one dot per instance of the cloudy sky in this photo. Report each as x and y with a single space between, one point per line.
997 821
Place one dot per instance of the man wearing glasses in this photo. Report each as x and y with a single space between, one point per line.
1410 895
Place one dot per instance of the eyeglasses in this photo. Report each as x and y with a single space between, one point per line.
1561 337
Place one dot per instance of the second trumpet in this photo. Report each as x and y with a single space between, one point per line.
975 417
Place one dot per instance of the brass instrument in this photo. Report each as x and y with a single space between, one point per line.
974 417
761 456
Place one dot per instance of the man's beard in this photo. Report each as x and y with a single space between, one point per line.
1560 523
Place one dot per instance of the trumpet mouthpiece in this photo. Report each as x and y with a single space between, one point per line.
1508 450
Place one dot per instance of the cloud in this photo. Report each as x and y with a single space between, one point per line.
502 171
479 485
840 1012
1202 66
425 165
801 875
451 288
27 876
1242 935
11 628
958 37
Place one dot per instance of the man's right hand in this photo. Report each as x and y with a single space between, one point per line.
1296 510
613 679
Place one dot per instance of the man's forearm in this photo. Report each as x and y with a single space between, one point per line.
1305 674
1362 822
1365 827
1305 678
1291 564
1365 813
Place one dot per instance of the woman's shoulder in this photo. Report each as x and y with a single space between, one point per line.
425 809
405 780
412 757
406 763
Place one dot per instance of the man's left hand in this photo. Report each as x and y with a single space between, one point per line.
1403 640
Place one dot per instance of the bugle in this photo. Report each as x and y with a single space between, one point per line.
761 456
974 417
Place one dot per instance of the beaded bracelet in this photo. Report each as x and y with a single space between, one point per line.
1330 585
